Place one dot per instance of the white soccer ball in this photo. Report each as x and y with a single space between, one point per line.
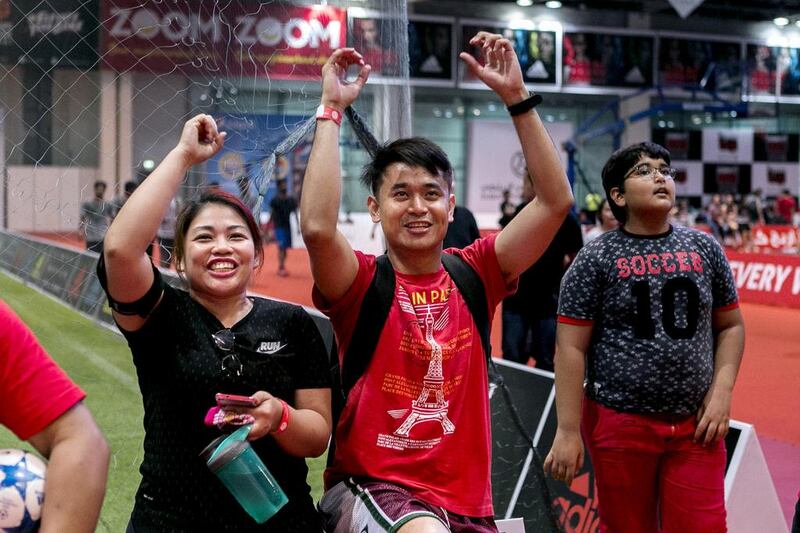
21 491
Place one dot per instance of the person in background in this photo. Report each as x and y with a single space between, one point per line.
606 222
529 315
786 206
754 206
462 230
95 217
282 206
507 209
188 345
127 190
41 405
166 234
649 318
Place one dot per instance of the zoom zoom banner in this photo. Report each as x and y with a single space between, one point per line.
266 40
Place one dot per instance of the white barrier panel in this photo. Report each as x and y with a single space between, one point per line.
750 496
512 525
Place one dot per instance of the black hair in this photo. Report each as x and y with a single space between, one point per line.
413 151
620 163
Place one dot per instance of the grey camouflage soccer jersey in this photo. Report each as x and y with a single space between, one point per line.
650 300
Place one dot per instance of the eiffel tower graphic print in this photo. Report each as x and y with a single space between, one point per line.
430 405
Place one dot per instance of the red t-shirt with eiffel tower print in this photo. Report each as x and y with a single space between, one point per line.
419 416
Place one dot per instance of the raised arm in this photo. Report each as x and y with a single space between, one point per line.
76 473
333 265
128 266
526 237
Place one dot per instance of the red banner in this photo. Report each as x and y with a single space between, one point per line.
772 279
773 238
266 40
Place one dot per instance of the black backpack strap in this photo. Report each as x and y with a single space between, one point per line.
472 290
371 318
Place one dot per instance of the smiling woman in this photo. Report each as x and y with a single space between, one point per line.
272 353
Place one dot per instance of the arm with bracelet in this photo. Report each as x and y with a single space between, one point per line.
322 184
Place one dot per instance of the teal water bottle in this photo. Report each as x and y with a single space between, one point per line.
236 464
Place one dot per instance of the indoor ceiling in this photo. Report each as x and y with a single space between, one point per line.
743 10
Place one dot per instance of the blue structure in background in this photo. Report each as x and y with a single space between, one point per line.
237 168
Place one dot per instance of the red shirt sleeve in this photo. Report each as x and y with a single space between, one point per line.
34 390
481 256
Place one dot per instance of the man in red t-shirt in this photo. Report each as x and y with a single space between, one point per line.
786 206
413 443
41 405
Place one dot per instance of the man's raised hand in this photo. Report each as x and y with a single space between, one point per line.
337 92
501 71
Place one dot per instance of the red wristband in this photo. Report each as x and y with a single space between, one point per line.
329 113
284 423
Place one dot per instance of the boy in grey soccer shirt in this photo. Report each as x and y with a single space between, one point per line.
648 315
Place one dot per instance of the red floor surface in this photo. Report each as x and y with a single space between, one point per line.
766 393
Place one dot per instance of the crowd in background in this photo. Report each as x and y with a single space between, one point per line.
730 218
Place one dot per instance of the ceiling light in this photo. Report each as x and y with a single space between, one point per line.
797 23
524 3
553 4
780 21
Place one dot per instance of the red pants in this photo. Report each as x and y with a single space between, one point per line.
650 476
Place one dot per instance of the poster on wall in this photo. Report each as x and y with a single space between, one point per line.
726 178
251 138
685 62
269 40
607 60
761 63
722 145
776 147
430 49
536 50
774 178
686 145
773 70
488 177
788 67
372 37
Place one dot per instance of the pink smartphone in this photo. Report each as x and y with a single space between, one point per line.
234 399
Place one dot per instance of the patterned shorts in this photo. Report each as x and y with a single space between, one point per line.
368 506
